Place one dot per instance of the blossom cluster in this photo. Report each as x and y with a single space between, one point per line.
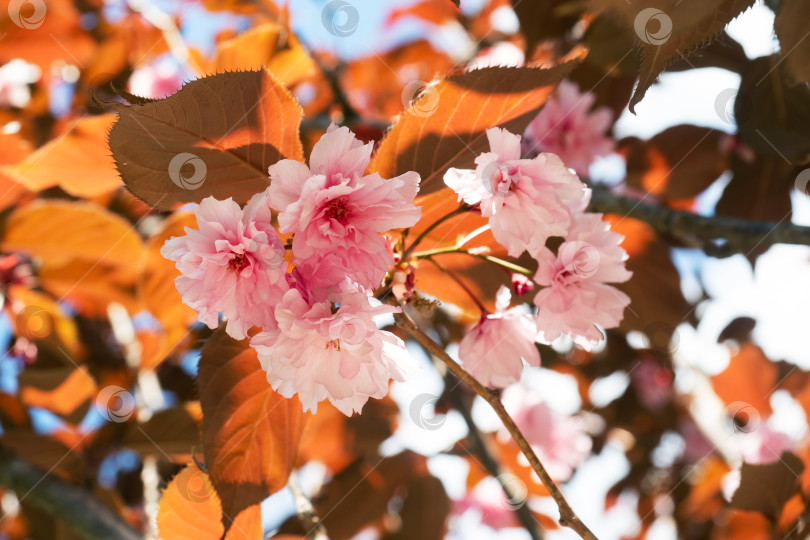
529 201
296 269
318 335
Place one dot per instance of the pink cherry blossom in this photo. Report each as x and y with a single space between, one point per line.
333 208
493 351
560 441
158 80
567 127
764 445
233 264
652 383
490 502
526 200
320 352
576 298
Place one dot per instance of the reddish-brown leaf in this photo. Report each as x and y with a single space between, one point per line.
678 163
446 125
667 29
217 136
657 304
359 495
173 431
772 112
767 487
250 433
791 29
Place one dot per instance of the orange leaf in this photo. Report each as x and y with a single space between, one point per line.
84 252
38 317
247 525
750 378
83 147
42 32
481 278
217 136
59 232
380 86
69 393
248 50
156 283
190 508
250 433
445 127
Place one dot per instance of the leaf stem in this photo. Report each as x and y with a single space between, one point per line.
458 211
568 518
495 260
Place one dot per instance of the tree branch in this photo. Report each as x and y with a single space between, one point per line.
568 517
71 505
306 513
740 235
478 447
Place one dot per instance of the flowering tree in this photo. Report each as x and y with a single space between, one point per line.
220 295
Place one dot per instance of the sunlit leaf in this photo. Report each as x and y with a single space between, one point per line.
250 433
216 137
92 171
446 126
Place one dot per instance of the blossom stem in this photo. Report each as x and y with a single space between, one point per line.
568 518
458 211
495 260
506 264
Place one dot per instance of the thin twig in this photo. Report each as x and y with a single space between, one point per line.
458 211
479 449
306 513
740 234
568 518
73 506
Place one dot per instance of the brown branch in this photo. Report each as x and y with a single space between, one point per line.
73 506
306 513
568 518
741 235
479 449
